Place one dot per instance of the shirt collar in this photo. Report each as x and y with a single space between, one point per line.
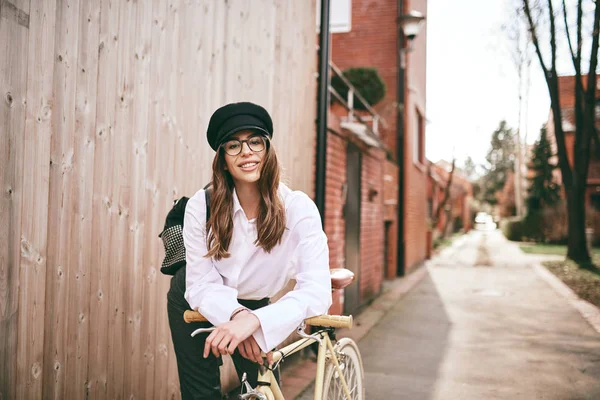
283 191
236 203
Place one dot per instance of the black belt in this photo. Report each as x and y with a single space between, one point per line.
255 304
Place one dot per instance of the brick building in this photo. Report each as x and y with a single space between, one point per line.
566 86
459 202
365 164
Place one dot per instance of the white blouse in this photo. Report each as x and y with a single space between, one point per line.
213 287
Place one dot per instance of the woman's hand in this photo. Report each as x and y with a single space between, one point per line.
226 337
249 349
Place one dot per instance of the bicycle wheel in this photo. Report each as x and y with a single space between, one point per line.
350 362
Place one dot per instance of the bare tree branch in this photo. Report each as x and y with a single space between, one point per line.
591 86
552 36
590 93
578 78
579 37
534 36
568 34
552 83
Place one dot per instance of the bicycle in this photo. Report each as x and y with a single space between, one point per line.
340 374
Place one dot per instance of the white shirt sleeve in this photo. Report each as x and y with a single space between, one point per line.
205 290
312 294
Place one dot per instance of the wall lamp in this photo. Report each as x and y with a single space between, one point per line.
411 24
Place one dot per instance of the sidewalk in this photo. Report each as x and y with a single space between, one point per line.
298 377
481 324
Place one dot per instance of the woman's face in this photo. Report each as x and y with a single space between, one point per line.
245 166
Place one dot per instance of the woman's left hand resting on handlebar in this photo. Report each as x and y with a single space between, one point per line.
236 333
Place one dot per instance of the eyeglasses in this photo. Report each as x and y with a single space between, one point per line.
255 143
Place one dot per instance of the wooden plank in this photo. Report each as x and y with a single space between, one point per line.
281 108
13 87
180 97
34 221
120 193
249 38
187 56
104 205
306 101
137 227
174 33
78 309
155 174
214 95
60 203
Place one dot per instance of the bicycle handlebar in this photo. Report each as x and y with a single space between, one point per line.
327 321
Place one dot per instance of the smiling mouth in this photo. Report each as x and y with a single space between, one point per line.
249 165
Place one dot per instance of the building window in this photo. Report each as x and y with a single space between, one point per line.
418 138
340 16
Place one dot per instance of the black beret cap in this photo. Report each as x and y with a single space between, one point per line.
236 117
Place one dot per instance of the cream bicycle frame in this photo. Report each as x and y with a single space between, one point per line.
273 392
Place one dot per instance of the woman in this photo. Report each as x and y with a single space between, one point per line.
260 234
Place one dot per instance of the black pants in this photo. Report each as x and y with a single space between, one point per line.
199 377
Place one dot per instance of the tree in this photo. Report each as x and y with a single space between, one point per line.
470 168
520 52
574 178
501 160
507 206
442 205
543 191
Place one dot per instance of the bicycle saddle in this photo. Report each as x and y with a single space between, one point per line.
340 277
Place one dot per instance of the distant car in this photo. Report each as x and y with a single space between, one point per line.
484 222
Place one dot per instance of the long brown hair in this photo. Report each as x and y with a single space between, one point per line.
270 222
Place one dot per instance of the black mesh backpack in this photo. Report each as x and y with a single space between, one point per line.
172 235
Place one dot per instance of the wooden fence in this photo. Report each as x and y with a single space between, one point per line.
104 107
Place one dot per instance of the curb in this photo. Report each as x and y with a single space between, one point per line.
588 311
301 374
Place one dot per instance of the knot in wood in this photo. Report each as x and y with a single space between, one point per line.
9 99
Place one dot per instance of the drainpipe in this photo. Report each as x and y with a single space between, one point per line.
400 144
322 110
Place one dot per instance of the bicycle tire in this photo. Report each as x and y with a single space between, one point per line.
351 363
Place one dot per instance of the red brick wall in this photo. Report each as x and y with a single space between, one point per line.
372 226
415 178
390 206
414 215
372 43
335 225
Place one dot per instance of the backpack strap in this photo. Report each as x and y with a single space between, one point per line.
172 234
207 192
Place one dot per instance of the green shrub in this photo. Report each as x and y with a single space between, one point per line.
592 217
555 224
512 228
366 80
534 227
548 225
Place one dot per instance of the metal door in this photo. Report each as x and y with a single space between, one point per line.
352 217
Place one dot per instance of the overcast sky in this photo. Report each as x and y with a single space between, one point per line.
472 80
